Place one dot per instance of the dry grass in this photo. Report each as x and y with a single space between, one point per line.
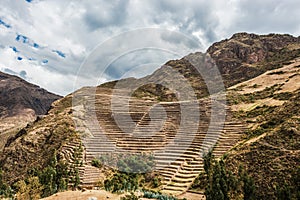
288 75
260 102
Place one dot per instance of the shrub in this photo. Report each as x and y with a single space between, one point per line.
221 184
130 196
96 163
29 189
121 182
5 190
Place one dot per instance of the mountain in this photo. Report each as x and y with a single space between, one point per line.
20 103
17 95
91 128
269 105
239 58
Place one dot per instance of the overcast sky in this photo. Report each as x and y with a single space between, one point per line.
46 41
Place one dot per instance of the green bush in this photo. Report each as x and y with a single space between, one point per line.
96 163
5 190
121 182
221 184
157 195
127 162
130 196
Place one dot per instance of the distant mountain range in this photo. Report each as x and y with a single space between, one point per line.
18 95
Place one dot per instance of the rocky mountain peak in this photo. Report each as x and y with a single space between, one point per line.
17 95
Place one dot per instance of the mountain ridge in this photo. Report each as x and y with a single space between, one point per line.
17 94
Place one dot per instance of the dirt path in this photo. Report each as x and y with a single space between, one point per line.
192 196
86 195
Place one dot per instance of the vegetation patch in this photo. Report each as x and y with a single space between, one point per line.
276 73
220 183
126 162
272 164
131 172
272 160
234 98
158 195
283 96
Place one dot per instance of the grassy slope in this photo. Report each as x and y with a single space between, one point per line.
271 150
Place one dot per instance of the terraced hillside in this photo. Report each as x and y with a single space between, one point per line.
153 119
177 145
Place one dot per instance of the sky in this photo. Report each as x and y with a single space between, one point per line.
64 45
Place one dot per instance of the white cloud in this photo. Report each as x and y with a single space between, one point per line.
76 27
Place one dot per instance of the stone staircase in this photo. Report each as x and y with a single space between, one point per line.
90 177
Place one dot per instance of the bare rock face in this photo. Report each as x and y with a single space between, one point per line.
245 56
250 48
17 95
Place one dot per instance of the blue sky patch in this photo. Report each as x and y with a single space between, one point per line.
22 38
4 24
61 54
35 45
15 49
45 61
26 40
20 58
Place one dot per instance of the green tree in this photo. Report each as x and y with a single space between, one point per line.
30 189
130 196
221 184
283 192
216 188
48 178
96 163
62 176
247 183
5 190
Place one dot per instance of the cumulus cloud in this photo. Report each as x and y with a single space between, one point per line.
60 35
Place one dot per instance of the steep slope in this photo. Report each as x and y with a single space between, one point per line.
34 146
270 153
20 103
272 156
242 57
